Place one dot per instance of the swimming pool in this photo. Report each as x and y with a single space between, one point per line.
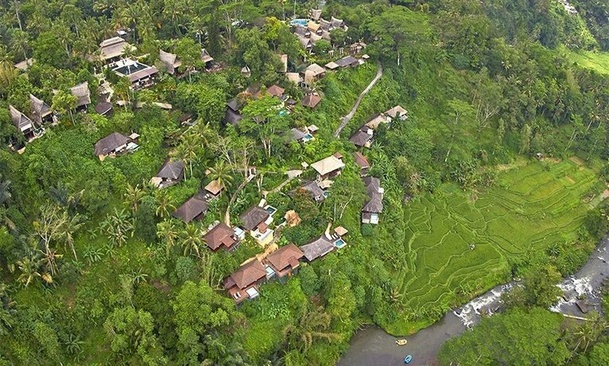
339 243
301 22
307 137
270 209
128 67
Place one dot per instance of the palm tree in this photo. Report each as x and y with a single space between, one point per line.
187 150
588 333
49 261
168 233
221 173
311 325
164 205
29 267
122 88
191 239
16 7
118 227
104 6
20 43
72 225
133 197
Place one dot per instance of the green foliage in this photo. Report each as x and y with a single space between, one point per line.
131 336
599 355
480 87
516 337
216 319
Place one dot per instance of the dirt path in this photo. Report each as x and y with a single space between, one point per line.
347 118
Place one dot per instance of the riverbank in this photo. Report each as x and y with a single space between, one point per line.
373 346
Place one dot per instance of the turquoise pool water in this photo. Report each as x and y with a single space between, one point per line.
339 243
302 22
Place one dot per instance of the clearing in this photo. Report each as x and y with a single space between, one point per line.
598 61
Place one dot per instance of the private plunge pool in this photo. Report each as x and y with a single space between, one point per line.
301 22
339 243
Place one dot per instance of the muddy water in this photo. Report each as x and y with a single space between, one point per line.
373 347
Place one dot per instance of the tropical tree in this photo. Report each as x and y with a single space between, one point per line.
71 226
191 239
517 337
169 234
50 226
586 334
5 190
188 148
8 75
118 227
29 267
20 43
311 325
221 172
131 332
49 262
133 197
65 103
164 205
7 310
189 52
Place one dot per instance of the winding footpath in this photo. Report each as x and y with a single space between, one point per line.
347 118
372 346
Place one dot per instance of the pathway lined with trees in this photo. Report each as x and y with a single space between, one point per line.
351 113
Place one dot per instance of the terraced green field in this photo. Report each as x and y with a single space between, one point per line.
528 209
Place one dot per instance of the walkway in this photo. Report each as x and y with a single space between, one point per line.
350 115
291 175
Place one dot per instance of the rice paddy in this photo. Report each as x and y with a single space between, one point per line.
460 245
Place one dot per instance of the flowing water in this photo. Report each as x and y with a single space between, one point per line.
372 346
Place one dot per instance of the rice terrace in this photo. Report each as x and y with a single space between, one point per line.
460 245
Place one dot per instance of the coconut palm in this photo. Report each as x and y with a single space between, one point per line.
588 333
187 150
191 239
30 269
133 197
312 324
72 225
118 227
49 261
169 234
164 205
221 173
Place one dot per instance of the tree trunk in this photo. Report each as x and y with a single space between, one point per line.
234 197
18 17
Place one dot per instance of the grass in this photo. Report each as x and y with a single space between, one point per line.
530 208
598 61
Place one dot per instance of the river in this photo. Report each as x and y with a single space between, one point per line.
372 346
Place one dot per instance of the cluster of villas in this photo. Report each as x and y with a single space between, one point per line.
112 54
40 115
258 221
364 135
312 30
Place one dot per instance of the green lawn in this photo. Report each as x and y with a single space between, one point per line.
528 209
598 61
